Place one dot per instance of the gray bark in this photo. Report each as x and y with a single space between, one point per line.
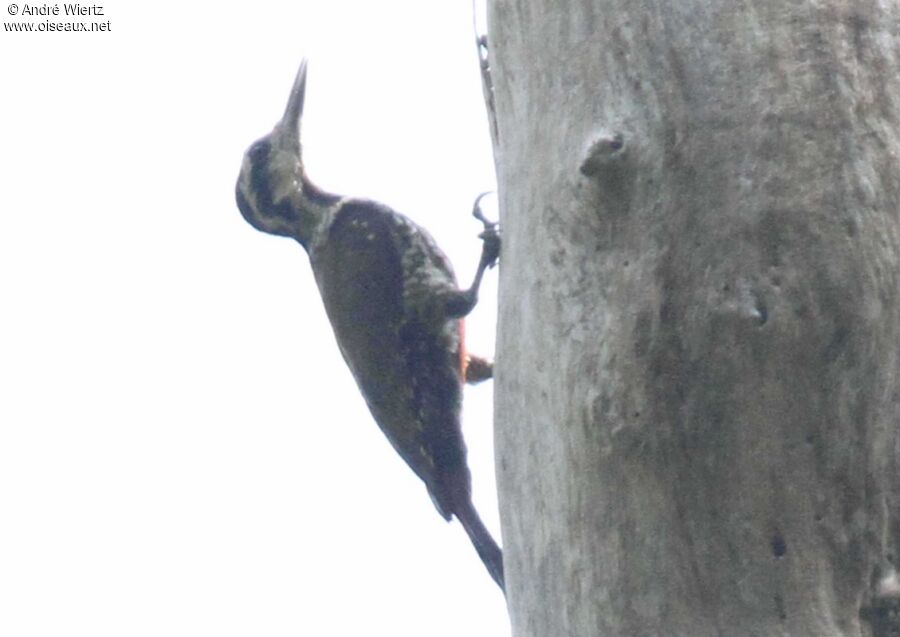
697 364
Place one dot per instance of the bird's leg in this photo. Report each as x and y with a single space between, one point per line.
461 302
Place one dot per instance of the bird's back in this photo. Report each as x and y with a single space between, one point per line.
378 273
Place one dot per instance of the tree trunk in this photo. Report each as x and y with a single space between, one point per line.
696 397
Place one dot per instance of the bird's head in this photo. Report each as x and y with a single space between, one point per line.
272 171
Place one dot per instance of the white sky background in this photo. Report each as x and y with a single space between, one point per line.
182 450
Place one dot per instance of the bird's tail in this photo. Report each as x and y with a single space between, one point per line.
481 539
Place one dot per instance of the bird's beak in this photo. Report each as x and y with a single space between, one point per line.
290 122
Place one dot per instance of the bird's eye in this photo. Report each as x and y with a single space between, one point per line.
259 150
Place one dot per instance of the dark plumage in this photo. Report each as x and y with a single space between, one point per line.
393 301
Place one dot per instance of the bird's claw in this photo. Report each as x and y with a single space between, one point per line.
490 250
478 214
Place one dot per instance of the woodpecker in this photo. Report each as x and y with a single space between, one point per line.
394 304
